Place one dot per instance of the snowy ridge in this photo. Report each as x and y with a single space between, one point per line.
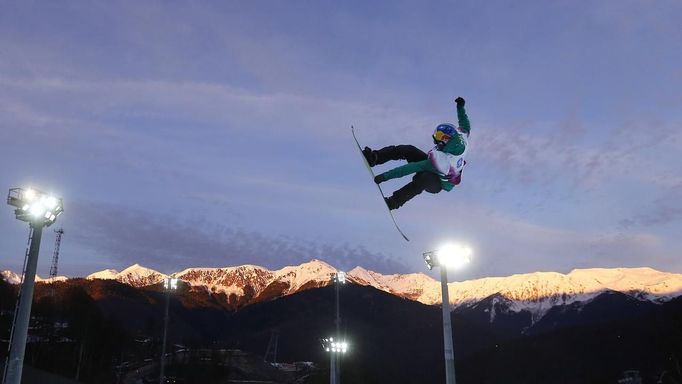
135 275
15 278
534 292
414 286
255 281
11 277
555 288
107 274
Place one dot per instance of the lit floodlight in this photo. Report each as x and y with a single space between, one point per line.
29 194
339 277
329 345
50 202
170 283
34 206
453 255
449 255
36 210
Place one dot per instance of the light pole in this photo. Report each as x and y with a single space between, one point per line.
334 348
169 284
339 278
39 210
447 256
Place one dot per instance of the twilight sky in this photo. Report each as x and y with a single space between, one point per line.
216 133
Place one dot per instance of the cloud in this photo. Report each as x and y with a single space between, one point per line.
505 243
209 108
579 156
133 236
665 209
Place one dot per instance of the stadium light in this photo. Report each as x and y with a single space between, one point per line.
339 277
448 255
456 256
39 210
332 346
335 349
170 283
35 207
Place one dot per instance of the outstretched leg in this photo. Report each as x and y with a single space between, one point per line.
421 181
394 152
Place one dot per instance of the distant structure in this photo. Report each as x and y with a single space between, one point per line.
271 352
55 256
630 377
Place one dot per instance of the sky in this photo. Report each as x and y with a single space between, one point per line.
217 133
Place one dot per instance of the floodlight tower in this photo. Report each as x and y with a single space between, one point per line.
447 256
334 348
169 284
39 210
339 278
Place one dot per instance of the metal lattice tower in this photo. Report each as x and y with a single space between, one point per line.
55 256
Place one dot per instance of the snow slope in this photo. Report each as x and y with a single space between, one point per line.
256 281
15 278
135 275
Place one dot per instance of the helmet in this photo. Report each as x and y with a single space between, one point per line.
443 133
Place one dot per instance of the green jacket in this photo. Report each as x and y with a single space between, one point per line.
455 146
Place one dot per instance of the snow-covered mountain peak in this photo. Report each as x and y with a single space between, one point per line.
535 292
247 283
653 284
139 269
135 275
315 273
106 274
139 276
15 278
11 277
414 286
314 269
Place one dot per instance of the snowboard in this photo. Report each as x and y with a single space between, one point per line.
381 192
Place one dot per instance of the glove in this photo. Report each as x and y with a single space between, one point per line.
460 101
379 178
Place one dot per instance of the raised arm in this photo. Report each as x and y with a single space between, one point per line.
457 144
462 117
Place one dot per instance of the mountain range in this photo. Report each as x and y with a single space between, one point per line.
533 293
588 325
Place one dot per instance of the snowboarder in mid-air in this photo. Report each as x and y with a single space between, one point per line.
439 169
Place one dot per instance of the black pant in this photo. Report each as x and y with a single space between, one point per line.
421 181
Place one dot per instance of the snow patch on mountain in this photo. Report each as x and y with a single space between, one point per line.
254 280
314 273
107 274
135 275
15 278
414 286
228 280
535 292
11 277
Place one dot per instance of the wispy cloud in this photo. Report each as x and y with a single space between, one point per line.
167 243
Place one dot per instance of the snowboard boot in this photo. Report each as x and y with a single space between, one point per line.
391 203
370 156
